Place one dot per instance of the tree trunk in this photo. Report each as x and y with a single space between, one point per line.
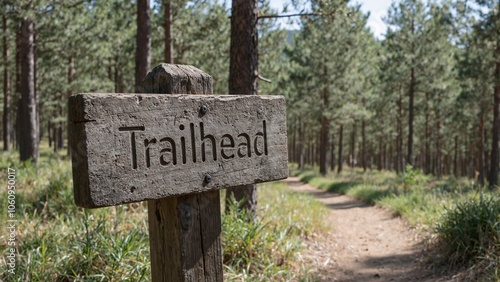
323 147
54 137
340 157
438 168
49 131
71 78
169 45
243 74
495 140
380 161
35 82
302 146
480 152
6 87
363 144
352 155
399 161
243 69
143 43
411 116
385 159
456 169
18 88
332 153
28 141
427 152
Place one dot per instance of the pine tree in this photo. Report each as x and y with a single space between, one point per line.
243 74
6 82
28 142
143 42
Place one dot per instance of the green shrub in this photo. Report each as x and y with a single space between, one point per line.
470 232
412 179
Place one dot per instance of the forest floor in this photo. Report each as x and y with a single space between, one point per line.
365 242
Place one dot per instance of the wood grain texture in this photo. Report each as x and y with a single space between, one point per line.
185 231
185 238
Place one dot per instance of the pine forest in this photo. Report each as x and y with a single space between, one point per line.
422 98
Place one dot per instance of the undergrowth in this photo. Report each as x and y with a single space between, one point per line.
58 241
265 249
463 217
469 234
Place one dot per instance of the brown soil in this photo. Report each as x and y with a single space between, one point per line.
365 243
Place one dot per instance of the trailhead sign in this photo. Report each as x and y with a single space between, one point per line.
135 147
176 149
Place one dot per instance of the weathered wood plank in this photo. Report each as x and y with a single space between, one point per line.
134 147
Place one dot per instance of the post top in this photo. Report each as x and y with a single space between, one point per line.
172 79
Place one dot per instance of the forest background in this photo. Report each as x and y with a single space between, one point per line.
421 99
425 95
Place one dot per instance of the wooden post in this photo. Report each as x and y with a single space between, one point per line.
184 232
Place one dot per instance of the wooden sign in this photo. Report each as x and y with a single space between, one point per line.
135 147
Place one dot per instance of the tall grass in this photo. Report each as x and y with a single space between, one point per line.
265 249
469 234
58 241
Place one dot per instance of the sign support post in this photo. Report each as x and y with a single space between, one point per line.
185 231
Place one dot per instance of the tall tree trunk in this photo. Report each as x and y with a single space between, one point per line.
143 43
380 153
480 152
49 131
399 161
169 43
324 134
411 116
6 86
495 140
302 146
54 136
28 142
323 147
341 157
438 169
291 141
71 78
363 144
456 169
385 164
332 153
35 82
427 151
243 74
18 88
352 155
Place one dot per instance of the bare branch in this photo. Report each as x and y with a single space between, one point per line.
296 15
264 79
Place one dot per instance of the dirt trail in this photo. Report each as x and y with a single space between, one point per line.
366 243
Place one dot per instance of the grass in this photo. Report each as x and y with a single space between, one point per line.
463 218
470 232
265 249
57 241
